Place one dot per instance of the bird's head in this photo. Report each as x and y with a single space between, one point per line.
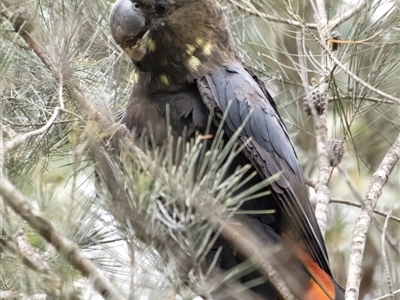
172 42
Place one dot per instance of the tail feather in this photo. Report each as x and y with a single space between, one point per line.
304 278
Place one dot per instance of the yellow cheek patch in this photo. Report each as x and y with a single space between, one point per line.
164 79
207 48
151 45
193 63
190 49
199 41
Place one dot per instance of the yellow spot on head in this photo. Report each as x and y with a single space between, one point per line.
193 63
164 79
190 49
207 48
152 45
136 77
199 41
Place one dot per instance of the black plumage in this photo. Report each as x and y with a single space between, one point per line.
187 67
269 151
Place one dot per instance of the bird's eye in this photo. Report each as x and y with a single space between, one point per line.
161 8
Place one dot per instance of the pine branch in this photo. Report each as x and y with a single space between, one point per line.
321 129
378 180
32 263
69 250
28 254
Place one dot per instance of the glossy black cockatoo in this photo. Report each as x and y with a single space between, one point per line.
184 59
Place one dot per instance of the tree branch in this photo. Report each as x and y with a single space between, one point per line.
26 260
69 250
358 196
321 130
320 119
28 255
378 180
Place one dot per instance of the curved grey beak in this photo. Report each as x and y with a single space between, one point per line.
127 23
126 20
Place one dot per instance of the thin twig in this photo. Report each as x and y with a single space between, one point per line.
206 295
250 9
378 180
302 62
387 295
363 41
21 138
384 257
350 183
340 19
370 99
376 211
132 251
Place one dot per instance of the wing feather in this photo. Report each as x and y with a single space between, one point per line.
270 150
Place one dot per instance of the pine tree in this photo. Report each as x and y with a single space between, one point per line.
81 214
